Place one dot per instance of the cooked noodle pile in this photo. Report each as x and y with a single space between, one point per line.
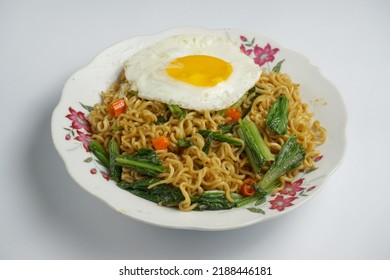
225 167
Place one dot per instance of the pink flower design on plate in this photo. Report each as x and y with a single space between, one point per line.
105 175
246 51
263 55
79 120
84 138
293 188
280 202
243 38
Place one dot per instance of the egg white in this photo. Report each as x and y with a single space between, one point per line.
146 72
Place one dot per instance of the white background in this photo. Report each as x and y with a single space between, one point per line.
44 214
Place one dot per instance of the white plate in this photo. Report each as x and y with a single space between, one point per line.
69 131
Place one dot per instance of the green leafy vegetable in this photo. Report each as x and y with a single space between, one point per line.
145 161
163 194
227 128
114 151
183 143
177 112
141 184
277 118
98 150
255 147
167 195
290 156
214 200
161 120
211 135
170 196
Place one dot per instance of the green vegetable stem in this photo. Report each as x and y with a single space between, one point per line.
145 161
114 151
100 153
255 147
211 135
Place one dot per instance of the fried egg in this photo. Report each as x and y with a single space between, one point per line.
198 72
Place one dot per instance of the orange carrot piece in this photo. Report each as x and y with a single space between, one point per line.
117 107
161 143
233 113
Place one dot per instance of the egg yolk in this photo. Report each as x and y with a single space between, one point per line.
199 70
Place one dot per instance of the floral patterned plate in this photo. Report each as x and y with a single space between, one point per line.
71 132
